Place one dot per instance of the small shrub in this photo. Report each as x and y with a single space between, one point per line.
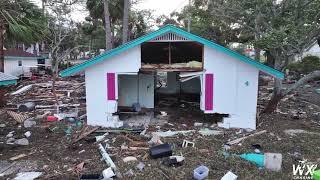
306 65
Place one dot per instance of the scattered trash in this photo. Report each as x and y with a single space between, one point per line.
23 142
155 140
27 175
140 166
106 157
29 123
163 113
229 176
162 150
196 124
294 132
317 91
108 173
209 132
201 172
22 90
236 141
17 157
10 140
129 173
52 118
257 159
82 151
186 143
27 134
85 132
90 177
10 134
78 169
172 133
29 106
273 161
129 158
176 160
2 125
17 117
100 138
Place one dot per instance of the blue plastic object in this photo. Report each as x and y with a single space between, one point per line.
257 159
201 172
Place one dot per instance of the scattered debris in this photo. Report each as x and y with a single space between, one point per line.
22 90
201 172
22 142
129 158
294 132
129 173
27 175
17 157
186 143
140 166
106 157
257 159
172 133
85 132
78 169
176 160
52 118
108 173
29 106
17 117
273 161
155 140
229 176
27 134
2 125
10 134
209 132
196 124
162 150
29 123
236 141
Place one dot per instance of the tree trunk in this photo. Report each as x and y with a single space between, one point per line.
126 9
278 93
257 55
107 25
1 46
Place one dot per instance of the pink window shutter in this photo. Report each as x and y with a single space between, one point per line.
209 92
111 86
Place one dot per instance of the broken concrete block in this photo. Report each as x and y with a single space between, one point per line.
23 142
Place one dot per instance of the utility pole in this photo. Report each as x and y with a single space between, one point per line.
189 16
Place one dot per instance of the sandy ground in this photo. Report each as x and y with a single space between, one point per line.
53 154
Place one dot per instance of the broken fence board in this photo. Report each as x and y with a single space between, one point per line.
236 141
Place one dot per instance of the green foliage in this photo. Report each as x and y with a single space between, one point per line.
23 20
306 65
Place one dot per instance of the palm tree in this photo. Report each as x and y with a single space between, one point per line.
22 21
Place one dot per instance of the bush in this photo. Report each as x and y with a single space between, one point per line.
306 65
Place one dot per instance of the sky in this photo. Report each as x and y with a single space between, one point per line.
159 7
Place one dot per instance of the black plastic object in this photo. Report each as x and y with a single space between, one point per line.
162 150
90 177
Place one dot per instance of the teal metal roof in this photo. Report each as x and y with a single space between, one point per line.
173 29
7 79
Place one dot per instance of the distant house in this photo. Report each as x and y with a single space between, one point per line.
18 62
312 50
224 81
7 79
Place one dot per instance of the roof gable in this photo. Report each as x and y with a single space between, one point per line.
180 32
17 53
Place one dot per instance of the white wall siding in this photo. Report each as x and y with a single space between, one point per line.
11 66
235 89
98 108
